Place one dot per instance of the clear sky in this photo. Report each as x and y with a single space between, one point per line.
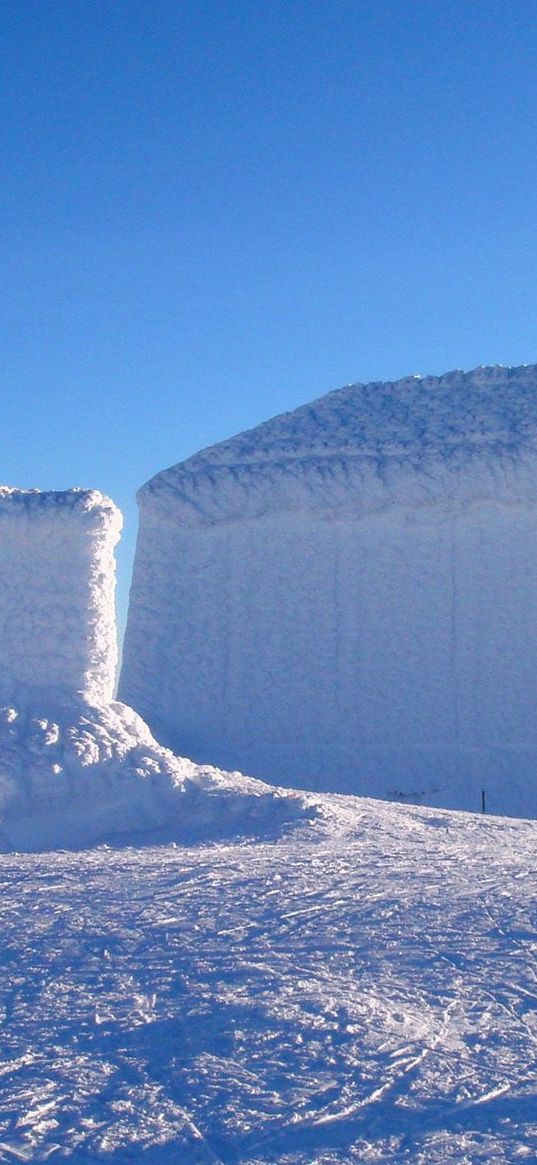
215 211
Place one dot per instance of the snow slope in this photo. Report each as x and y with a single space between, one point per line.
76 767
361 990
344 597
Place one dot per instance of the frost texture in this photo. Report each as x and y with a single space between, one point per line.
57 580
344 597
76 767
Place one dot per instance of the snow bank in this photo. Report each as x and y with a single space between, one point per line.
57 617
75 767
344 598
77 774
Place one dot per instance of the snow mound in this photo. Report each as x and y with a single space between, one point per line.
359 992
77 775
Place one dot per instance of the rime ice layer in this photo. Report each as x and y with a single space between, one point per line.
57 583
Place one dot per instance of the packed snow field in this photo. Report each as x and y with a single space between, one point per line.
361 987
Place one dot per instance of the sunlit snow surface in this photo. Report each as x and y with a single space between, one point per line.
361 989
74 775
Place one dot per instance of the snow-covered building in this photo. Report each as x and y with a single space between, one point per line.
345 597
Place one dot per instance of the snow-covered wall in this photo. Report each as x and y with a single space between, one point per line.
346 597
77 767
57 579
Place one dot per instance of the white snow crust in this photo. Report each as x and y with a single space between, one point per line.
344 597
75 766
362 990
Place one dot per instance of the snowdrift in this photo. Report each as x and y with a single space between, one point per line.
78 775
344 598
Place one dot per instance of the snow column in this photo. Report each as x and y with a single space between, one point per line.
57 581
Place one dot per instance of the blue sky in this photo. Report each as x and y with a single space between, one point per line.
213 212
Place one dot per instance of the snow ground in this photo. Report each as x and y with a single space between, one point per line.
361 988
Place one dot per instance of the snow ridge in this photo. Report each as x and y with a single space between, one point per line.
361 991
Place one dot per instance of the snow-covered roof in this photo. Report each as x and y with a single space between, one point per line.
368 445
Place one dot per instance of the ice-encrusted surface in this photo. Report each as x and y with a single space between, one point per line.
365 620
459 411
361 991
76 767
57 582
463 435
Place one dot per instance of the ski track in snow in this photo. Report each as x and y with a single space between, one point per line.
361 990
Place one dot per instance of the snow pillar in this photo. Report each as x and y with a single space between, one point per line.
57 581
